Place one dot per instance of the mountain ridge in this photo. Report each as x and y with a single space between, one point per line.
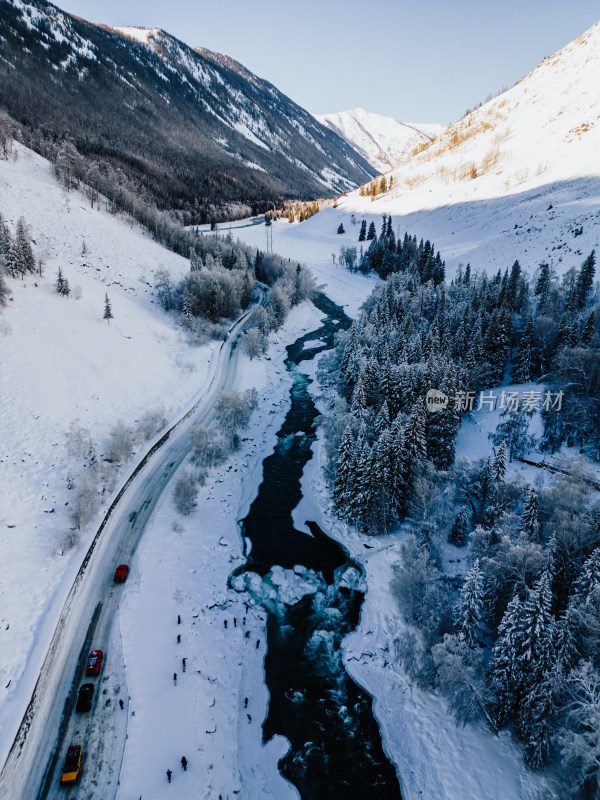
383 141
190 131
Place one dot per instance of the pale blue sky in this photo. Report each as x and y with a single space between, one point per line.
419 61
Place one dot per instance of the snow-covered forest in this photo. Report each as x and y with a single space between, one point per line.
516 642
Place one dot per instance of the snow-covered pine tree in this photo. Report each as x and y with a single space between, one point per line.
530 515
542 290
503 673
4 291
499 463
523 361
585 279
469 609
341 228
186 308
60 282
460 528
108 315
26 257
363 231
589 330
535 671
13 260
371 233
580 739
343 471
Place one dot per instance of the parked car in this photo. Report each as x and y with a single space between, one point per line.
72 766
94 662
121 573
85 697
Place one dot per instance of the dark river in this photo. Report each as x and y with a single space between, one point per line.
336 750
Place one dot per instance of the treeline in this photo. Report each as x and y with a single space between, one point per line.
17 258
376 187
516 643
220 285
386 254
414 336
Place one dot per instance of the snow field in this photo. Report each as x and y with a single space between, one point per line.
61 363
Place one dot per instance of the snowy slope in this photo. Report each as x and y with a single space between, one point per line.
516 178
383 141
60 363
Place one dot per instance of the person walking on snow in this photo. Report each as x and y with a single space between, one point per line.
184 763
175 679
169 773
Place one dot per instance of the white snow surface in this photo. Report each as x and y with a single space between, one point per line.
60 363
383 141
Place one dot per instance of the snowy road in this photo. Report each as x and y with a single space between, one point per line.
32 767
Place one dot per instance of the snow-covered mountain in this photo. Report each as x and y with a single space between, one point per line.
383 141
186 127
518 178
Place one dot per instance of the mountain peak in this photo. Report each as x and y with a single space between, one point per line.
383 141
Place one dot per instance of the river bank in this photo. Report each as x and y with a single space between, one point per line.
433 756
182 568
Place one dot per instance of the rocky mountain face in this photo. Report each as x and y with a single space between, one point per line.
191 130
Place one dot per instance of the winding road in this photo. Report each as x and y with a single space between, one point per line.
32 768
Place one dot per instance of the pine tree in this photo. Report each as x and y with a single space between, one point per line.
26 258
372 233
363 231
62 284
469 609
530 515
343 472
503 678
341 228
589 330
4 291
499 463
186 308
523 361
13 259
460 528
542 289
108 315
537 676
585 279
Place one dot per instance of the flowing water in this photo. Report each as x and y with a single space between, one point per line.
336 747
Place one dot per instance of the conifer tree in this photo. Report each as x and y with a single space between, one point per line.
469 609
108 315
499 463
62 284
460 527
542 289
523 362
589 330
363 231
585 279
26 258
343 472
529 518
503 671
372 233
341 228
4 291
